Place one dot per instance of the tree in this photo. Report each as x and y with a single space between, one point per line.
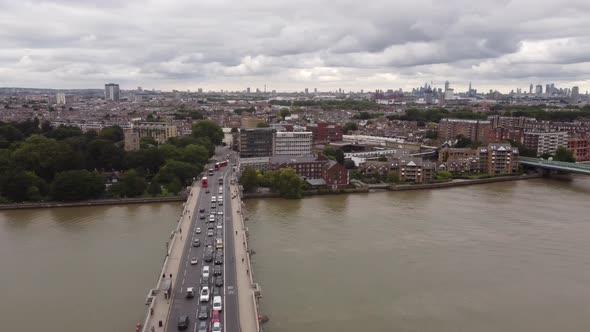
234 130
339 156
154 188
150 160
463 142
443 175
349 164
329 151
18 186
179 170
392 177
208 129
287 183
63 132
147 141
131 185
113 133
284 112
39 154
77 185
563 154
249 179
431 134
195 154
349 126
104 154
262 124
382 158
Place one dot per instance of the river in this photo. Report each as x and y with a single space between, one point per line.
511 256
81 268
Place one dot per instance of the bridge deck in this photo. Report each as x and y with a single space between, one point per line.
556 165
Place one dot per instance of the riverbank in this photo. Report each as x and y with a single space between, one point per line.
461 182
94 202
401 187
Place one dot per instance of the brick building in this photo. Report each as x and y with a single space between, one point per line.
476 130
414 170
325 132
335 175
580 147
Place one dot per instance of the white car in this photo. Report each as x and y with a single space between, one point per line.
206 271
219 226
198 230
220 214
194 261
217 303
216 327
204 295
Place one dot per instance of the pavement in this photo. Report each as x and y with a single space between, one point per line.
248 305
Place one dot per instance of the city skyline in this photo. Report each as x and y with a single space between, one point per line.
294 46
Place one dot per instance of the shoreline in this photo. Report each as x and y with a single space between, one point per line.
94 202
402 187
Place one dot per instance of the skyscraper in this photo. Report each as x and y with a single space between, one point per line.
575 93
306 91
111 91
531 89
469 92
447 85
60 98
539 89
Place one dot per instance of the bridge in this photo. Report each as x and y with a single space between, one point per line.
377 153
556 165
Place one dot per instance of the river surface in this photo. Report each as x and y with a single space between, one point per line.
511 256
81 268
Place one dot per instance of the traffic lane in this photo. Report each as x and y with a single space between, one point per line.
179 304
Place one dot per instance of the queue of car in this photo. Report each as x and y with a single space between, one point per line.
213 253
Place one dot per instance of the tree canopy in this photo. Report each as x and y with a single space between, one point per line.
208 129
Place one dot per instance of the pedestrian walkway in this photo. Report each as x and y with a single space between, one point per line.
248 306
157 315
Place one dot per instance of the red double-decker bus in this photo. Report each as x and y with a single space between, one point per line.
223 163
204 182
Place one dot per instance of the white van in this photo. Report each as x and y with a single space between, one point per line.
217 303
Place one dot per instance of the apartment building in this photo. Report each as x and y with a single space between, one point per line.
325 132
160 131
547 142
499 158
476 130
306 166
414 170
580 147
293 143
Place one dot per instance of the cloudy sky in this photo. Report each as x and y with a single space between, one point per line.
291 45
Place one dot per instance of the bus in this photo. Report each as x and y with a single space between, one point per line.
223 163
204 182
216 166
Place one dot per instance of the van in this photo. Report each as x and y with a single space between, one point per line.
218 244
182 322
217 303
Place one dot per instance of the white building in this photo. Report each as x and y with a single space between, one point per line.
293 143
111 92
545 142
60 98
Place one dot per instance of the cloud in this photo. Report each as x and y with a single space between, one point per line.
328 44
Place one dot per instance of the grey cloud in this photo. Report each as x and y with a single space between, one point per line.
233 44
